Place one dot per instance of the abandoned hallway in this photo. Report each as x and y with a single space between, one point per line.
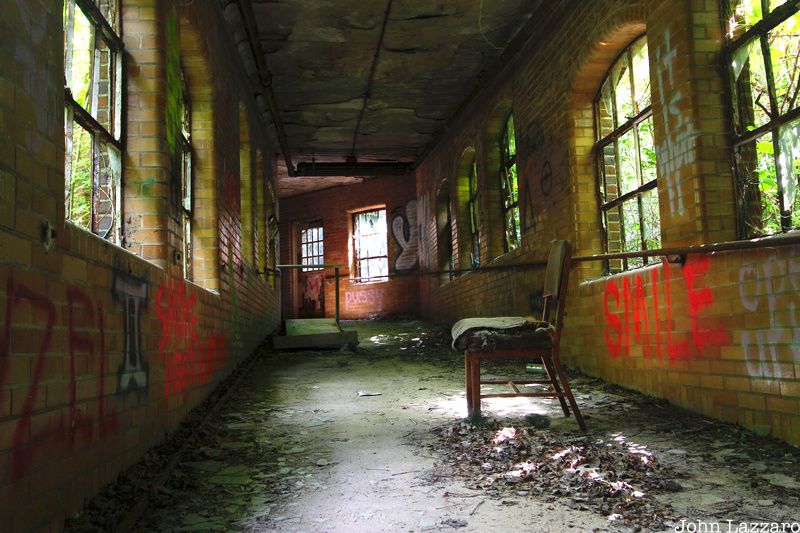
268 265
375 439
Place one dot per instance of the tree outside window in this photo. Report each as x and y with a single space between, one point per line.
763 53
93 54
509 187
626 159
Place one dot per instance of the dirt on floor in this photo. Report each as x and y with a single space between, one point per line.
374 438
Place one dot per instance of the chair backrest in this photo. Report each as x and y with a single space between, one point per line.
555 280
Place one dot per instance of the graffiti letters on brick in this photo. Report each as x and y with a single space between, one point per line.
406 232
131 292
634 317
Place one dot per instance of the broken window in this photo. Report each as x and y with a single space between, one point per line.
626 159
311 246
272 235
472 208
185 154
763 56
370 246
93 54
509 186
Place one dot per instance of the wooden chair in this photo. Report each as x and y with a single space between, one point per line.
529 341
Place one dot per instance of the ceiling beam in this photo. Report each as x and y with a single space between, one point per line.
265 78
370 79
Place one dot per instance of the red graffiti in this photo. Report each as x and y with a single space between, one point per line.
27 443
635 320
187 360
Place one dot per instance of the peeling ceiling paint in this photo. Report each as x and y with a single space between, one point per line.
320 53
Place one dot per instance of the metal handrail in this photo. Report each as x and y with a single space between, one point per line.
681 252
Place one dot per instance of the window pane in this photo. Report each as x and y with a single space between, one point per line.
605 111
789 166
610 185
510 139
652 218
107 191
647 150
641 74
80 161
749 73
744 14
80 62
631 225
755 166
620 77
784 51
628 179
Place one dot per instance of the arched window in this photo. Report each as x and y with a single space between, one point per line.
474 211
763 50
626 158
508 186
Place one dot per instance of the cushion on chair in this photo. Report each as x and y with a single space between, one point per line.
501 333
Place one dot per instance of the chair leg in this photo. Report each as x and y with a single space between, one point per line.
475 385
551 374
468 382
570 397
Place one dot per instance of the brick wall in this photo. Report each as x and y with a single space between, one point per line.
718 335
104 349
334 208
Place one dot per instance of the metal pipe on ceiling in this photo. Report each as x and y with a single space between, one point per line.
370 79
265 78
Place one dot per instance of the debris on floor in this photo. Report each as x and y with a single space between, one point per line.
293 448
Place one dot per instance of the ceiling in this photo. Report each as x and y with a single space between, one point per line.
372 80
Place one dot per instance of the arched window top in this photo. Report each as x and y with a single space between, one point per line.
626 158
625 92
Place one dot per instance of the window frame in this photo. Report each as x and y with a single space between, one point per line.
185 152
473 212
357 259
759 33
632 124
507 202
74 113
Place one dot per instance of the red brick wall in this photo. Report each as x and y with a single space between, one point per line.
718 335
334 207
78 401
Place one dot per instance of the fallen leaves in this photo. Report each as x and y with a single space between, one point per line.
608 476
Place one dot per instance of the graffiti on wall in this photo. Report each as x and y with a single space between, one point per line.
313 285
771 289
632 316
423 222
131 292
188 359
677 150
30 319
406 232
364 299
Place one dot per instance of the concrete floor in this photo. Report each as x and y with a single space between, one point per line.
296 448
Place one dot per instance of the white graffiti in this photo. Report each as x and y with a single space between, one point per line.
678 147
372 298
772 288
402 224
423 247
